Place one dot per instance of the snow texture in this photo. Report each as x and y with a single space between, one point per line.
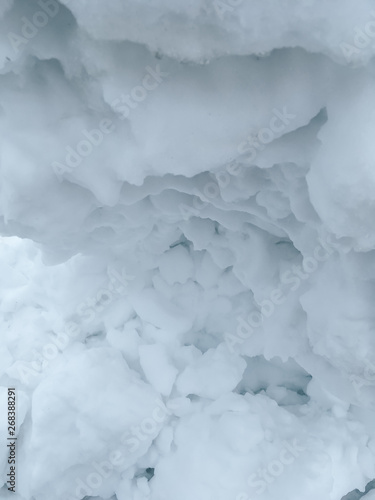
187 249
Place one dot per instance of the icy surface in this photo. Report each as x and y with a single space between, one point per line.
187 250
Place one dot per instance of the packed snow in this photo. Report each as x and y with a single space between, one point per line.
187 249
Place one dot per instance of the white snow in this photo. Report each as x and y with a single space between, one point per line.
187 248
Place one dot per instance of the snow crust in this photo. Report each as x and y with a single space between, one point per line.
187 248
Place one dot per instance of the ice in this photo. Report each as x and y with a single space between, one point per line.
187 248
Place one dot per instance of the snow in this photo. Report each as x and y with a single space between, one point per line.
214 373
159 370
187 248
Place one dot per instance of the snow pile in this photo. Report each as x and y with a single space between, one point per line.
187 249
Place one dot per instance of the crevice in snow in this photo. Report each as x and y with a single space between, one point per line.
356 494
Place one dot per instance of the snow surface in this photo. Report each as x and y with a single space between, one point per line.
187 248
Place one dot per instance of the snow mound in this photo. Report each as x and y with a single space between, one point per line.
187 248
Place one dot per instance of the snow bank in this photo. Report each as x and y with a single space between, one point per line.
186 207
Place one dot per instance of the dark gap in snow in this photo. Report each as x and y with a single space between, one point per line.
193 397
356 494
183 241
148 473
285 382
